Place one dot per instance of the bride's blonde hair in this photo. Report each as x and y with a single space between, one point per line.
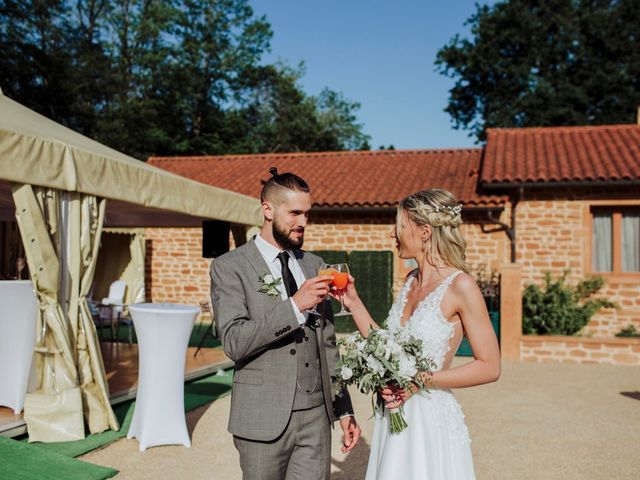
440 209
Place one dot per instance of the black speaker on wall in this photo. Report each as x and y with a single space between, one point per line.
215 238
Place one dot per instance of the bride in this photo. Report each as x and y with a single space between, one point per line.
439 303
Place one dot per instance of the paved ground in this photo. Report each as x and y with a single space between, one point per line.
539 421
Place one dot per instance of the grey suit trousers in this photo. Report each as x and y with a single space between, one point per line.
302 452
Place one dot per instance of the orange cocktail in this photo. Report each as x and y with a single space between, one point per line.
340 280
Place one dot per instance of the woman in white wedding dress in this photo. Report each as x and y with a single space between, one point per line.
439 304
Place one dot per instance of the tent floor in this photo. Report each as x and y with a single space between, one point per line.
121 366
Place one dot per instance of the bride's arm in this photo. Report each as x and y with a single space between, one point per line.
359 312
485 367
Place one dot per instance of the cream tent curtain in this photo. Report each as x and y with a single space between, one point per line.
86 217
126 265
135 273
37 214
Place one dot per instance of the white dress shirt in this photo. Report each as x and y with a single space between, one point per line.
270 255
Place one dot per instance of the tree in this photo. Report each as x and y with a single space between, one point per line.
545 63
165 77
280 117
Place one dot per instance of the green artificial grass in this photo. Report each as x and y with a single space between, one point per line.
20 461
199 329
196 393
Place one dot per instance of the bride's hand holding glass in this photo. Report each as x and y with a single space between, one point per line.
349 294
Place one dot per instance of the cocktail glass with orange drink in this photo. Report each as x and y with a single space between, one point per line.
339 280
324 270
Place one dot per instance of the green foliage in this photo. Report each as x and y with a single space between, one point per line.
545 63
165 77
628 331
560 309
373 271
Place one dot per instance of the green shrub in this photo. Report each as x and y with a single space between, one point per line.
628 331
560 309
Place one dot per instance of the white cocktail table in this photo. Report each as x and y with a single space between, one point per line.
18 315
163 331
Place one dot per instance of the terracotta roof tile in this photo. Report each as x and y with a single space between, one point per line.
345 179
556 154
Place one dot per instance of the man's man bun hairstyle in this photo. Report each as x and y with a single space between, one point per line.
282 181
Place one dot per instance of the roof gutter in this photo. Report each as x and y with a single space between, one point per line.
394 209
353 209
564 183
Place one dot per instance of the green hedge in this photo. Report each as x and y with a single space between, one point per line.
373 271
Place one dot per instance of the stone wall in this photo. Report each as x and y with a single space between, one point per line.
174 268
553 232
617 351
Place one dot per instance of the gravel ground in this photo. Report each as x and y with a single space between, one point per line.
539 421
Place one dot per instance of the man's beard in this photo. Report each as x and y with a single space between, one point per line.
282 237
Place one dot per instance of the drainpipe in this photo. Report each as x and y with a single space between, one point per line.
503 227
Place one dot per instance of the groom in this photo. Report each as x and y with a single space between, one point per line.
282 404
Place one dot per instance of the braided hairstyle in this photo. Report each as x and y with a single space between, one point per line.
280 182
440 209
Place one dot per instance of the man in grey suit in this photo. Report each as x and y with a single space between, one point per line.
282 403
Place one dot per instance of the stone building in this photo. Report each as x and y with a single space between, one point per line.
547 199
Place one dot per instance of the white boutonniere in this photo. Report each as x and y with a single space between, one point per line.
270 285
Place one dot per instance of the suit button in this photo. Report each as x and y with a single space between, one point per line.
292 351
306 364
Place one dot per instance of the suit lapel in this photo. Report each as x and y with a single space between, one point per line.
255 259
307 266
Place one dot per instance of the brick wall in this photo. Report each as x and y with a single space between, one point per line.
553 234
174 268
617 351
490 249
176 271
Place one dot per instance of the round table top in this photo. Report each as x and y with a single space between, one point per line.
164 308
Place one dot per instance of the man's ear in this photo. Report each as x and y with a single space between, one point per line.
267 211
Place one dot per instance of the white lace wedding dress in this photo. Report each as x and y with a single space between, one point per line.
435 445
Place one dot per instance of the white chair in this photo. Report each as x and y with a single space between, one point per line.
112 306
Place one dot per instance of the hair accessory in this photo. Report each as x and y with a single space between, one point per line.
451 210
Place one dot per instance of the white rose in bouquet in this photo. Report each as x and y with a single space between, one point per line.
407 366
346 373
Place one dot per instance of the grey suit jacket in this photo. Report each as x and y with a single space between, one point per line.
255 330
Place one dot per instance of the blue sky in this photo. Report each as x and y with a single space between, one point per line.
380 53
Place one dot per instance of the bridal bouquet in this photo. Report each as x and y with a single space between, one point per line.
384 357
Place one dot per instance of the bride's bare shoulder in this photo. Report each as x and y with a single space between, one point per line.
464 284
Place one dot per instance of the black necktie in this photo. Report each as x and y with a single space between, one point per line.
290 284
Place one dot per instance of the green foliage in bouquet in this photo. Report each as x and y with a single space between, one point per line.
561 309
383 358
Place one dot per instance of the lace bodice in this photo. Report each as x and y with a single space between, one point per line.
427 321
